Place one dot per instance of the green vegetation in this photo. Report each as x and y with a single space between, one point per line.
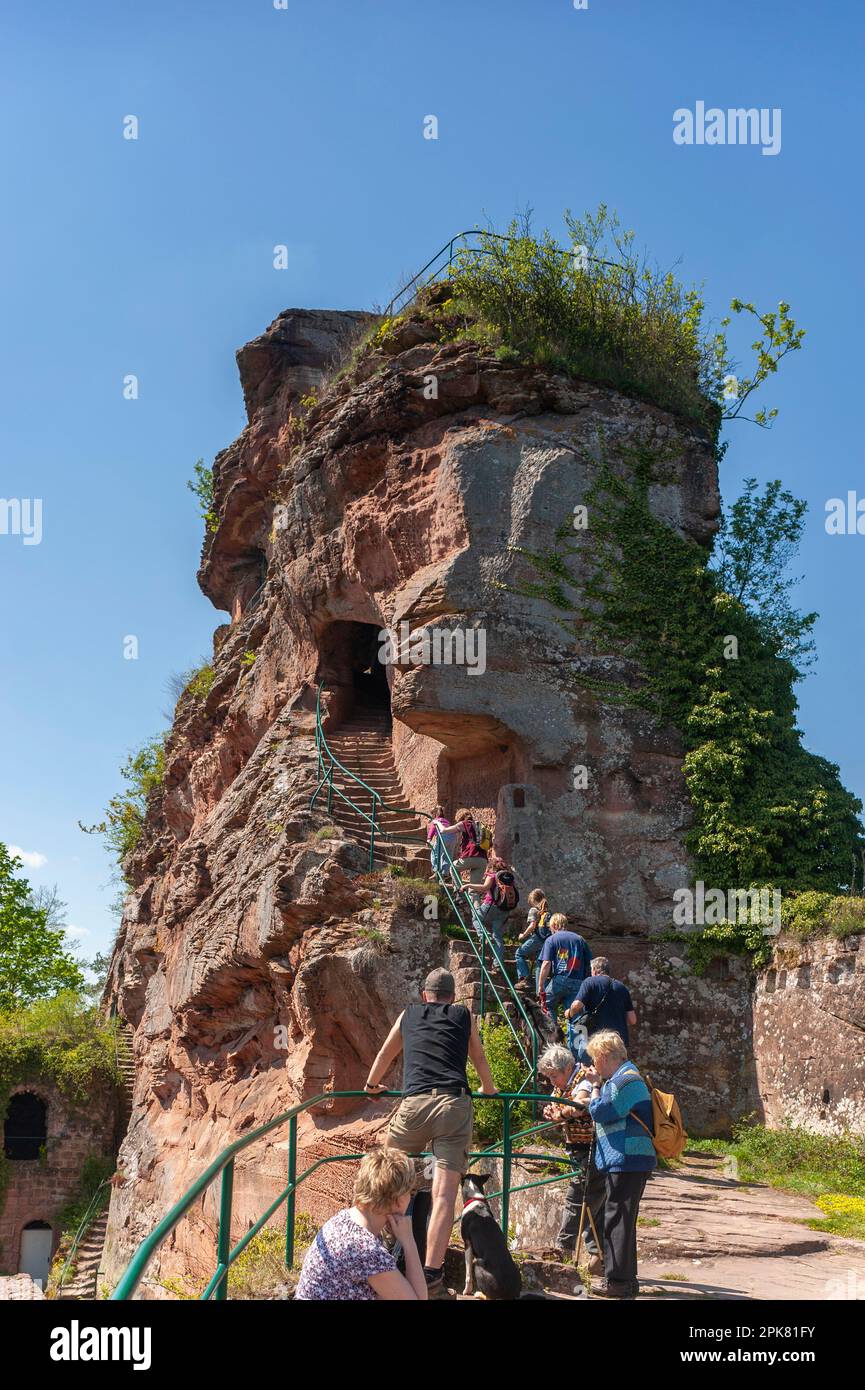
248 658
766 810
200 683
599 310
95 1170
812 914
64 1038
372 935
831 1170
202 486
327 832
124 816
260 1270
846 1215
34 961
509 1073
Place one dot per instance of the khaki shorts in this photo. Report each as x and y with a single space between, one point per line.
437 1122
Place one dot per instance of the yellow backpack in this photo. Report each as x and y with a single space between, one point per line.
668 1132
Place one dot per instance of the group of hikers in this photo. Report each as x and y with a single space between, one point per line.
598 1099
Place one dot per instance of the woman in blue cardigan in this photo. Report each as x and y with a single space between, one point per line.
621 1108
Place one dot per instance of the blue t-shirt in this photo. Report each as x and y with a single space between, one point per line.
569 953
613 1012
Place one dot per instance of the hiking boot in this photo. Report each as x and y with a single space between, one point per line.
595 1264
609 1288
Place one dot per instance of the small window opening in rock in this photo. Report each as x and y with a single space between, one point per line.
516 837
519 797
826 1097
24 1129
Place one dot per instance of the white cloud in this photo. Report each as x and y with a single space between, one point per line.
32 858
78 931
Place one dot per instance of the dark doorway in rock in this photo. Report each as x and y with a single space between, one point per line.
24 1129
349 664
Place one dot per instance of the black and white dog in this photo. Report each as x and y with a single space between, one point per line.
490 1267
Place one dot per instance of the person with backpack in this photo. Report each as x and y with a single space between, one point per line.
622 1109
499 898
441 836
531 940
603 1003
471 849
565 962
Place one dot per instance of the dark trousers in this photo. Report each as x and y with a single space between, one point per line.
593 1185
619 1234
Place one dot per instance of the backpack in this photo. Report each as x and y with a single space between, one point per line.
485 837
542 926
505 893
668 1132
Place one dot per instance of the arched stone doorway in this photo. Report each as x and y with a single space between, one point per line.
25 1128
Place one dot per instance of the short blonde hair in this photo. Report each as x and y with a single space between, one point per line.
606 1043
558 922
383 1177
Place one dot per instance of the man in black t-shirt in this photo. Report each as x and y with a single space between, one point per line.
605 1002
436 1038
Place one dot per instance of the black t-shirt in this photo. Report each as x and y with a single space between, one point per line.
435 1046
613 1012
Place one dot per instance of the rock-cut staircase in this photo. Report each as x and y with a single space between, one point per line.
83 1277
363 745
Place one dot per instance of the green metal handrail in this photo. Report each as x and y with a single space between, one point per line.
446 879
327 770
83 1226
223 1166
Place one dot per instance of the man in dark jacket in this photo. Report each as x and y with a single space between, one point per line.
603 1002
436 1039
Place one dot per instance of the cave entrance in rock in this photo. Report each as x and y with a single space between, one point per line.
349 664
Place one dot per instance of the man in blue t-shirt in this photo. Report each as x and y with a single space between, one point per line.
565 961
605 1002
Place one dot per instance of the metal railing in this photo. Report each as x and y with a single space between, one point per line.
443 260
447 877
83 1227
223 1167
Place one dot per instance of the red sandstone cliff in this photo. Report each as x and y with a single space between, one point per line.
382 503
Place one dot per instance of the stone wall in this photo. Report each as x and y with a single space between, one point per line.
809 1035
37 1189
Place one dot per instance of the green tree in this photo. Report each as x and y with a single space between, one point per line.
143 772
202 486
756 541
34 962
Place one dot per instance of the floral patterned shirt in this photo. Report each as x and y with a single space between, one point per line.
338 1264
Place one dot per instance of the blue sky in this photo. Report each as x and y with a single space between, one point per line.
304 126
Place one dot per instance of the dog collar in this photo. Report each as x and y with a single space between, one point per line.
473 1202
